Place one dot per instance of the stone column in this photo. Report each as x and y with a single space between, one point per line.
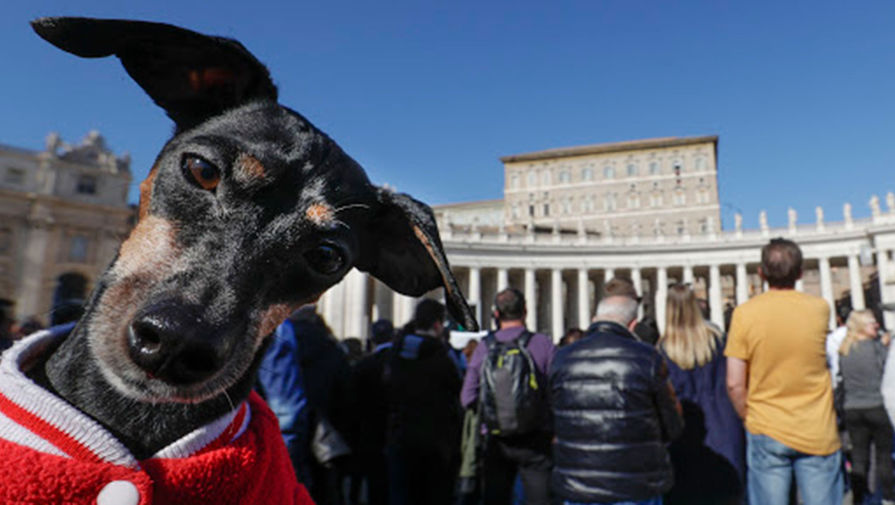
637 281
531 300
556 304
503 279
34 269
882 273
688 275
402 309
661 294
608 273
716 310
584 315
857 287
474 297
742 284
357 318
826 287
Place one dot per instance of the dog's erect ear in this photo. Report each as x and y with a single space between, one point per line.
401 247
190 75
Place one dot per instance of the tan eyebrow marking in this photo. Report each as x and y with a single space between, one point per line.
251 166
146 191
319 214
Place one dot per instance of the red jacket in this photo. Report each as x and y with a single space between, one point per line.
52 453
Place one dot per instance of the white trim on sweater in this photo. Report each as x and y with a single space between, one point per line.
25 393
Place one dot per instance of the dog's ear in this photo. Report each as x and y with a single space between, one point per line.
401 247
190 75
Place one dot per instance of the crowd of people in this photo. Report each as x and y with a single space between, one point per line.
617 413
770 410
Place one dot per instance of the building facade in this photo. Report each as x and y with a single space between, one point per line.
63 214
665 186
561 268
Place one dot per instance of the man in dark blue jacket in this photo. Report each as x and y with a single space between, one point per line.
614 411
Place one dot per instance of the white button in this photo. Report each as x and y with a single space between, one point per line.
119 492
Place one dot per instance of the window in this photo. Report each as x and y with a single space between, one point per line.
515 212
632 170
633 200
546 209
609 202
565 177
654 168
699 164
677 167
514 181
567 206
680 198
609 172
531 211
655 199
545 178
702 196
587 174
14 176
532 179
86 185
681 226
703 226
77 251
588 204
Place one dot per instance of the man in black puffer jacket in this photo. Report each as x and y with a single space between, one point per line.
614 412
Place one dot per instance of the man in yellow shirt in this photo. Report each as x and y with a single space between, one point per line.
778 381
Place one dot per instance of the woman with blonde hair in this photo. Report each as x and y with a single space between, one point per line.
861 363
709 459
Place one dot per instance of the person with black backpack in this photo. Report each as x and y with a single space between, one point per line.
506 381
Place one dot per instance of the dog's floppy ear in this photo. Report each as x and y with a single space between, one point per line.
190 75
401 247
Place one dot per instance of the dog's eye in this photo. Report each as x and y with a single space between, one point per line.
325 258
201 172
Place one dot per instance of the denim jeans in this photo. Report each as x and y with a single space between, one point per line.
656 500
770 468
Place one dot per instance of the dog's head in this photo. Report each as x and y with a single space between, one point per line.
248 212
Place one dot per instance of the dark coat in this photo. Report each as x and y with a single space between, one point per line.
614 411
709 459
423 390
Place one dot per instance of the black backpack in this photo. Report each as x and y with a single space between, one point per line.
512 400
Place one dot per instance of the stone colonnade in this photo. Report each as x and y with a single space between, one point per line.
562 280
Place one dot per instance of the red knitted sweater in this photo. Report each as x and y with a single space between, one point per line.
52 453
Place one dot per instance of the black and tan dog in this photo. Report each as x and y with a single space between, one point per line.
248 212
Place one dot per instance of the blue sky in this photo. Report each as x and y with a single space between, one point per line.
427 95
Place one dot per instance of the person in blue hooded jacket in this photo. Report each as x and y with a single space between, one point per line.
423 391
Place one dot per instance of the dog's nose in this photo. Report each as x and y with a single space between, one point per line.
170 342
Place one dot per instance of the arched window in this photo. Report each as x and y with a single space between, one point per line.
587 174
632 169
608 172
565 177
654 168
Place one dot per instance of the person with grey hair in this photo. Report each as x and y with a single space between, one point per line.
614 412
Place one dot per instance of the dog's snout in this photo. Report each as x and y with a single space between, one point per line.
171 343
